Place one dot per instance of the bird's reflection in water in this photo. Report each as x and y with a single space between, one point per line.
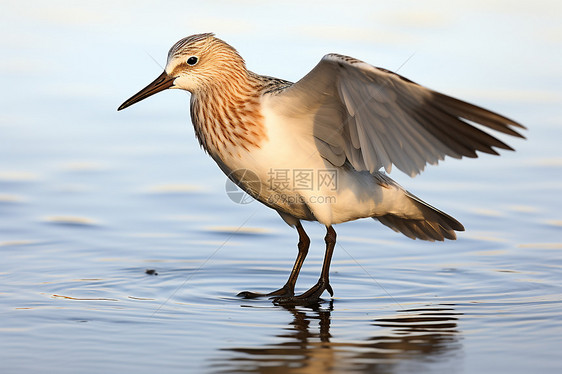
413 339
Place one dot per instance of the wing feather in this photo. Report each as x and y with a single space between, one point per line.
373 118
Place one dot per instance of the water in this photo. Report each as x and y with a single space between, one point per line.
90 199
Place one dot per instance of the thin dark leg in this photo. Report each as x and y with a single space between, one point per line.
323 284
288 290
304 244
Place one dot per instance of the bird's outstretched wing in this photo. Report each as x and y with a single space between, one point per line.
375 118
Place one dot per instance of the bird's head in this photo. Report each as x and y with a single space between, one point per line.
195 63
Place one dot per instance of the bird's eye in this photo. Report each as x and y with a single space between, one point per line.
192 60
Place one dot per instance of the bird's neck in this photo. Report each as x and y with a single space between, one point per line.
227 116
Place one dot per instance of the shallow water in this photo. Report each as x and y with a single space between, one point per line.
90 199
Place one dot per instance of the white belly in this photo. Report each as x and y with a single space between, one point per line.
295 180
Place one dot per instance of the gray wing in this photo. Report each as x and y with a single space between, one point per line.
374 118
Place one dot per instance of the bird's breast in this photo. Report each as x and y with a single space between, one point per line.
227 126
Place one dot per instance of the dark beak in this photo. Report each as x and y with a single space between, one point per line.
161 83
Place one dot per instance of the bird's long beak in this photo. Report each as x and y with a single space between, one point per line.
161 83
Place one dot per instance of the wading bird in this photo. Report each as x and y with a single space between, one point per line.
316 148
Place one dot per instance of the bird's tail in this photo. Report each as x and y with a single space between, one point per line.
435 224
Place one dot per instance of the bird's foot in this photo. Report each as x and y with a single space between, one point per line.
284 291
312 296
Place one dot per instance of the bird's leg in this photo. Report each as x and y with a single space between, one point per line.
323 284
288 290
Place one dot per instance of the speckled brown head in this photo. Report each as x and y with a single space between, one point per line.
197 62
225 102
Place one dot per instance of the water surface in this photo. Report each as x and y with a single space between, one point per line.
90 199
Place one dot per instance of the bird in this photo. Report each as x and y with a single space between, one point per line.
321 149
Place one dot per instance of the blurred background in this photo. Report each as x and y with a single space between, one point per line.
90 199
